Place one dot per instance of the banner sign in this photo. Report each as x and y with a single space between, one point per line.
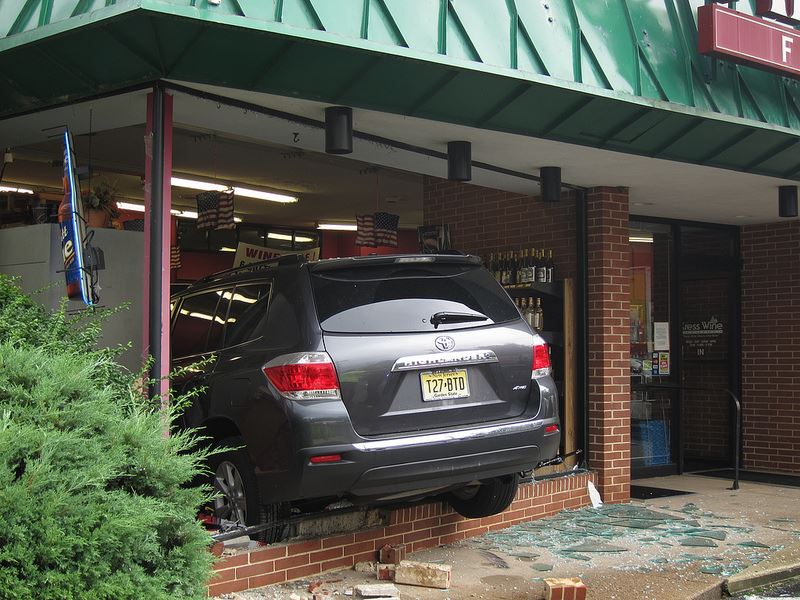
73 231
751 40
250 253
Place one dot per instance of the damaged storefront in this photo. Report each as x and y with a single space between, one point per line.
625 173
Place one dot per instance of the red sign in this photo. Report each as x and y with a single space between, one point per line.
781 10
730 34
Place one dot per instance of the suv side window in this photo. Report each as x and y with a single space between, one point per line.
217 328
248 306
193 322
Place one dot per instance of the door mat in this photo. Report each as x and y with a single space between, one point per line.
771 478
643 492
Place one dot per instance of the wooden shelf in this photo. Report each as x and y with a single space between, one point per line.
554 290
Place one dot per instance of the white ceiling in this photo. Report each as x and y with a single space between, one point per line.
260 150
658 187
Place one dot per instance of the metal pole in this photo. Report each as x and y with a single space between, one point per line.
156 239
582 306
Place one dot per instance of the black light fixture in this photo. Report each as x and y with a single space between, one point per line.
550 180
338 130
459 161
787 201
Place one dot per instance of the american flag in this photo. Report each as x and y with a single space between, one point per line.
215 210
174 257
386 229
365 233
225 217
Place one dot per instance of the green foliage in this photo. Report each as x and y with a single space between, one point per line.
95 501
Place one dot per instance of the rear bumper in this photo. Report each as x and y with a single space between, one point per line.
402 465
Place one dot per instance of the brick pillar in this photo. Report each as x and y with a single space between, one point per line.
609 341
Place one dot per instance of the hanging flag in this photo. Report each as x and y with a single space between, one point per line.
365 232
174 257
207 210
225 210
386 229
215 210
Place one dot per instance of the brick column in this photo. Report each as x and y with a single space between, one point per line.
609 341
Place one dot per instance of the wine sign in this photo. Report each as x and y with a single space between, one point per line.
751 40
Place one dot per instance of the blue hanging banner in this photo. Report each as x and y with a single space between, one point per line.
73 231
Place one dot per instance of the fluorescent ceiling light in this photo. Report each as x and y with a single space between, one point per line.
337 226
288 238
259 195
206 186
197 185
130 206
644 239
226 249
18 190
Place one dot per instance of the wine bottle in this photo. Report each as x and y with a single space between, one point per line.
527 312
538 315
522 280
551 267
514 269
541 269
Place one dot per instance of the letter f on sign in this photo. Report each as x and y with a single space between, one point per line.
786 47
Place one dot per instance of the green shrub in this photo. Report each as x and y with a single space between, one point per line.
95 501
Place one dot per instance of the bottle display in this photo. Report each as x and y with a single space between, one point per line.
520 269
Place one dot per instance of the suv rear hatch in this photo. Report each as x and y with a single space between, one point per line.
422 342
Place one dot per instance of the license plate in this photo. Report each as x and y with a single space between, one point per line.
444 385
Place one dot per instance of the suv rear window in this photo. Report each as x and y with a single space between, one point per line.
404 297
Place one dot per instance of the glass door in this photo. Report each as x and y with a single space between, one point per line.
709 292
653 411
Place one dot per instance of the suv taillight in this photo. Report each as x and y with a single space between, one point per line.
304 376
541 361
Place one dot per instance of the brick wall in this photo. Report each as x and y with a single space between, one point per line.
771 346
609 341
484 220
419 527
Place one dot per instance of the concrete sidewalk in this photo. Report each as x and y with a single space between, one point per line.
675 548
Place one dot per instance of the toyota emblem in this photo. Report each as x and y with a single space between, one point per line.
444 343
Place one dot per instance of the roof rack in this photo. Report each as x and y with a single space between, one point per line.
285 260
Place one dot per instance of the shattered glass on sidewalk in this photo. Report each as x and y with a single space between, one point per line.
646 539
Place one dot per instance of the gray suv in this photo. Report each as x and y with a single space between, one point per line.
371 379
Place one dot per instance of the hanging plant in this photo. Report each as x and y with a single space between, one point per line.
102 197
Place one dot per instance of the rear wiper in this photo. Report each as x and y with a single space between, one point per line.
455 317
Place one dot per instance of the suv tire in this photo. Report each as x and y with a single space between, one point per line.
232 473
491 497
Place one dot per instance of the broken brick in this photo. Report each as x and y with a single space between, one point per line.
392 555
424 574
564 589
386 572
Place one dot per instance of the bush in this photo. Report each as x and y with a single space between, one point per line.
95 501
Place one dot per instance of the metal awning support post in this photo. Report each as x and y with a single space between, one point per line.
157 230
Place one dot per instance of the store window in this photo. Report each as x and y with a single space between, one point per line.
651 331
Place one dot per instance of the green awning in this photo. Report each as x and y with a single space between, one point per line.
616 74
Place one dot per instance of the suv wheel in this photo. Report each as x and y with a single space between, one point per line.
487 499
238 500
